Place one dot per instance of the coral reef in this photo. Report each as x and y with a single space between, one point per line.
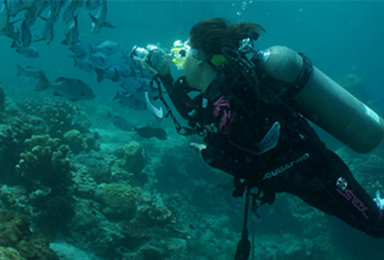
15 232
75 140
132 157
9 253
79 142
118 201
15 198
152 211
9 147
127 164
60 116
45 164
45 172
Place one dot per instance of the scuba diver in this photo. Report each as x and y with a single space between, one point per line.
252 108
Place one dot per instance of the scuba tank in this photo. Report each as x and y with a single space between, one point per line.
320 99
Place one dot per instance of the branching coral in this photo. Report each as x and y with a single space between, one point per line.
45 163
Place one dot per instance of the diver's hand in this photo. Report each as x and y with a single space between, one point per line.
198 148
159 61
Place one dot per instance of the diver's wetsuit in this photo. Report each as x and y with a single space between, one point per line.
299 163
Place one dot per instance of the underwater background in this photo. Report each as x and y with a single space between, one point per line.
77 182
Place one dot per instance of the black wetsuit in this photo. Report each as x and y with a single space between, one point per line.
236 121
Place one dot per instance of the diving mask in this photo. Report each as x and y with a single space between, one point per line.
180 51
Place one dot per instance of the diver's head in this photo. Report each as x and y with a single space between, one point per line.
204 52
211 35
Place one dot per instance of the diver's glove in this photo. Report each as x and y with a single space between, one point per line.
152 58
379 201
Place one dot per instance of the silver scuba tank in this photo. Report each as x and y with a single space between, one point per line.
324 102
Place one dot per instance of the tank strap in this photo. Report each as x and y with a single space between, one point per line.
301 80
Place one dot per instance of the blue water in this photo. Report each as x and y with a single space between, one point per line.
340 37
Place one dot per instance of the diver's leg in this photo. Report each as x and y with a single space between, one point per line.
332 188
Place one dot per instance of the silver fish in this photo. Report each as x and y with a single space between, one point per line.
85 64
48 32
29 52
93 4
4 18
36 9
29 71
106 47
12 32
25 35
98 21
69 12
99 58
14 6
72 36
56 6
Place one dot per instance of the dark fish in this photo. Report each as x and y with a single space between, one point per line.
29 52
131 101
29 71
73 89
98 21
149 132
120 122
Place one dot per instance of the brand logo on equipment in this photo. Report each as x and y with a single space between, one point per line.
285 167
356 202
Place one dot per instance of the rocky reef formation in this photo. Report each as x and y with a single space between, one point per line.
118 201
59 116
18 241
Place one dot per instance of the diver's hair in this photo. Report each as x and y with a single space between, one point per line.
211 35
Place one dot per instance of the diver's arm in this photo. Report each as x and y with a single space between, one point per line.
178 92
